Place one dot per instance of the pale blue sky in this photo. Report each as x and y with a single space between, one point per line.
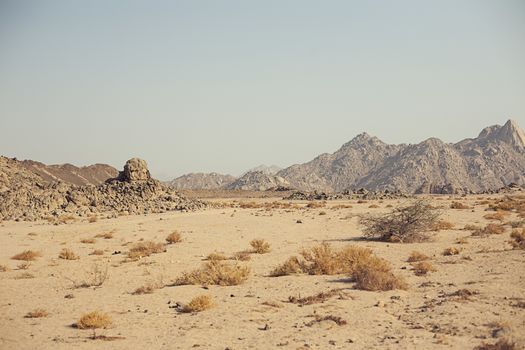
227 85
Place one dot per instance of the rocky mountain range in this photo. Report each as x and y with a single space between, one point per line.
205 181
490 161
257 181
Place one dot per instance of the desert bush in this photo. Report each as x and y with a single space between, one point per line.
242 256
470 227
325 260
451 251
373 206
490 229
88 240
27 255
442 225
459 205
144 249
317 298
260 246
315 205
322 212
198 304
92 219
421 268
97 252
518 237
95 277
174 237
37 313
501 344
68 254
105 235
145 289
416 256
94 320
406 224
216 272
291 266
376 275
216 256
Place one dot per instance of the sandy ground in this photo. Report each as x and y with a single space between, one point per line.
425 316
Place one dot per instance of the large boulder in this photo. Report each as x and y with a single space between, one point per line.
135 170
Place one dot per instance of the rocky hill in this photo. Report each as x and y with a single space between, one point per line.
257 181
205 181
87 175
267 169
25 195
490 161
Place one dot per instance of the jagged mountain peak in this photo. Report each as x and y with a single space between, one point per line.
510 133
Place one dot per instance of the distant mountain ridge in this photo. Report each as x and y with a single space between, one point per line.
492 160
205 181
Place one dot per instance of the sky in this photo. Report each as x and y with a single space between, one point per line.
200 86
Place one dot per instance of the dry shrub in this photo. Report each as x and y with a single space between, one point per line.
389 206
65 219
361 201
321 213
416 256
4 268
260 246
27 255
23 276
490 229
216 256
198 304
423 267
500 216
470 227
174 237
146 248
24 266
442 225
92 219
317 298
94 320
315 205
97 252
216 272
68 254
95 277
37 313
376 275
501 344
518 237
373 206
317 319
325 260
88 240
451 251
145 289
459 205
105 235
406 224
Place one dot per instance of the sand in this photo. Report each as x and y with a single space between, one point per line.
257 314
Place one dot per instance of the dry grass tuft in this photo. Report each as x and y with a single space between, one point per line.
315 205
416 256
144 249
502 344
92 219
97 252
422 268
317 319
174 237
37 313
490 229
376 275
106 235
198 304
216 272
325 260
95 277
27 255
260 246
451 251
94 320
405 224
291 266
499 216
242 256
518 237
145 289
216 256
88 240
470 227
374 206
68 254
442 225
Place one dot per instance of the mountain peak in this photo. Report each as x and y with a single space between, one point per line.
509 133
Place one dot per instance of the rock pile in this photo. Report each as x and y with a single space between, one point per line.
347 195
25 197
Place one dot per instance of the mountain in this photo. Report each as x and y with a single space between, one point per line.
490 161
208 181
268 170
68 173
257 181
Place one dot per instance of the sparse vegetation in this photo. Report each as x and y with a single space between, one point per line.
144 249
92 219
94 277
4 268
501 344
216 256
145 289
499 216
376 275
459 205
470 227
317 319
518 236
68 254
216 272
490 229
94 320
260 246
242 256
37 313
174 237
451 251
442 225
27 255
317 298
291 266
406 224
105 235
198 304
97 252
88 240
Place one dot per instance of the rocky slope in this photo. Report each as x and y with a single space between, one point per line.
87 175
257 181
205 181
493 160
27 196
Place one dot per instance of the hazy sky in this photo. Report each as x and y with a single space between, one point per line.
227 85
